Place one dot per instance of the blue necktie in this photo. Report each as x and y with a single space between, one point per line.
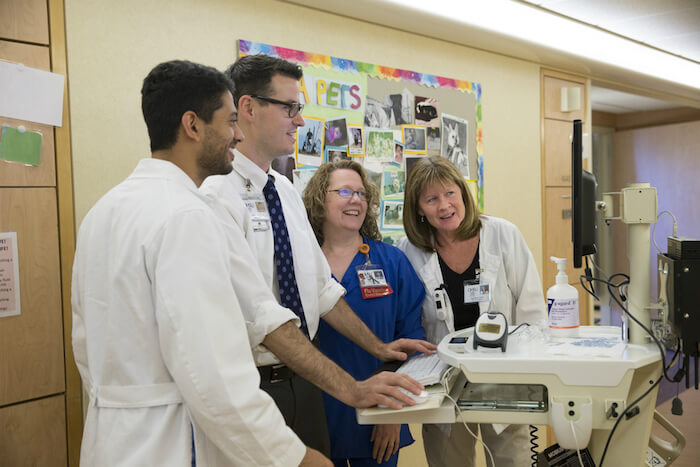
289 291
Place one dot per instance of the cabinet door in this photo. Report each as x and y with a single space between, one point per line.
25 20
557 233
31 344
553 99
34 433
557 152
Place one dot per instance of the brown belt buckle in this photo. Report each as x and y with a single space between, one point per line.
276 375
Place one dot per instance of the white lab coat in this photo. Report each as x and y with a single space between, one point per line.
506 263
159 337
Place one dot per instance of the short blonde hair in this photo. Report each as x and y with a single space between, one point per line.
426 172
315 199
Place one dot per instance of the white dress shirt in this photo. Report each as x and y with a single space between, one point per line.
318 290
159 337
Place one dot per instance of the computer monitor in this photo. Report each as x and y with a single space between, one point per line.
583 201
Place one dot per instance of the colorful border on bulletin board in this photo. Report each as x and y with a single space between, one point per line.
383 72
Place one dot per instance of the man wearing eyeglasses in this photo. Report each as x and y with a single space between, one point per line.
292 263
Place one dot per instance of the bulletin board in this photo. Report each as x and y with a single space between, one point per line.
385 118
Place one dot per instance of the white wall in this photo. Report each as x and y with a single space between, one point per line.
113 45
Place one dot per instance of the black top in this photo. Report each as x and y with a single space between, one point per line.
465 314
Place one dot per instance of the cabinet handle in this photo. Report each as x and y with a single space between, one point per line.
566 196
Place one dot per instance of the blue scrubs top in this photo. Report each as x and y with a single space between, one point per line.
390 317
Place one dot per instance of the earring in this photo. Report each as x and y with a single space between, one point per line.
422 219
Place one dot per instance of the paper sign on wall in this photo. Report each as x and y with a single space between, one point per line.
9 275
31 94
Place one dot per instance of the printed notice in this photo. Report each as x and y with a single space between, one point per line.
9 275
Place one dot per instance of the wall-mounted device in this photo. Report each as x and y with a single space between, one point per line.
679 295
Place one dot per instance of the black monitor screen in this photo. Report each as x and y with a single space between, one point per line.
583 200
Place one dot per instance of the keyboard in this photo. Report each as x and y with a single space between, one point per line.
426 369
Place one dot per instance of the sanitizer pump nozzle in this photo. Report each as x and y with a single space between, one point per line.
561 278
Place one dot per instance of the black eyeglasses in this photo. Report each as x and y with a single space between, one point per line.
347 193
293 108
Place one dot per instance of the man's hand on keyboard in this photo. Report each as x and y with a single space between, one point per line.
383 388
400 349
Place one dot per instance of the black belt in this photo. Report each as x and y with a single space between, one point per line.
277 373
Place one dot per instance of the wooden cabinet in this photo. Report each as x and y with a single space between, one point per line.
557 129
40 407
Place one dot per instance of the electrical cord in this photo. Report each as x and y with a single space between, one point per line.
486 448
647 330
578 451
518 327
653 229
609 282
533 445
630 408
443 381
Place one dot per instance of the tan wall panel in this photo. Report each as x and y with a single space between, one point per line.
13 173
24 20
33 434
31 344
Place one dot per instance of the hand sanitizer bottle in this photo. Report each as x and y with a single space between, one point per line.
562 304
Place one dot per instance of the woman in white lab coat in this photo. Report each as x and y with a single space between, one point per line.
483 264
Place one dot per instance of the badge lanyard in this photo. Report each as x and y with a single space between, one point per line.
475 291
257 209
371 276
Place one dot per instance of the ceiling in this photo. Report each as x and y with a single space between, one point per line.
671 26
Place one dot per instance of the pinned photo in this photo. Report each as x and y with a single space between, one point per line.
398 152
393 184
356 147
284 165
336 153
336 132
454 142
392 215
401 107
432 133
301 177
374 175
413 139
377 115
410 161
427 111
380 145
310 142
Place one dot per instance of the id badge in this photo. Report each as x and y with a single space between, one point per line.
373 282
257 210
474 292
